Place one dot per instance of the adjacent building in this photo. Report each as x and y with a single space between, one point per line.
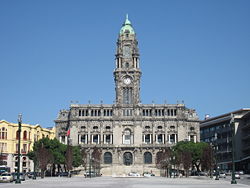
9 143
129 133
218 131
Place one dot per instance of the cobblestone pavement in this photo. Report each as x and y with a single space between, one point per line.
108 182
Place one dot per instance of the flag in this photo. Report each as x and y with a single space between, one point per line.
68 132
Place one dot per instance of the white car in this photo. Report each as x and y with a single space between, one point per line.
6 177
237 176
147 174
135 174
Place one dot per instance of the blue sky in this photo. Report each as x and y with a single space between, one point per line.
54 52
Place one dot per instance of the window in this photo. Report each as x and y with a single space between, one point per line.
147 158
3 133
96 139
107 158
147 139
160 138
192 129
127 95
108 139
127 112
172 127
127 137
83 139
172 138
83 127
127 159
192 138
17 135
95 128
24 150
25 135
159 127
147 112
127 65
108 128
3 147
147 127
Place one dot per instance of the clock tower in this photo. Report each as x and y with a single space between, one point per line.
127 73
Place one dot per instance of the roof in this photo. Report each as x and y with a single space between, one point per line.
127 27
224 117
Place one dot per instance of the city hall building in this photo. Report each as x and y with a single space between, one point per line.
129 134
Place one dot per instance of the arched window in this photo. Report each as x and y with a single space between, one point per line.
25 135
95 128
107 158
127 137
147 127
3 133
127 158
147 158
108 128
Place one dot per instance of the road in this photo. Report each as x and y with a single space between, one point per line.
109 182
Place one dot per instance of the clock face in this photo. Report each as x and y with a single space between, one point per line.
126 51
127 80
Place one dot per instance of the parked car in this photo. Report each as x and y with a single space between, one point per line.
21 176
92 174
6 177
32 174
135 174
237 176
241 172
148 174
228 173
61 174
222 175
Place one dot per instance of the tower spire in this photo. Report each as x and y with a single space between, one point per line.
127 26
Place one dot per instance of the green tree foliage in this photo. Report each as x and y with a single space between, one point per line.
196 150
57 150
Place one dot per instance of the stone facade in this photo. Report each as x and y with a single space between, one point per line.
129 133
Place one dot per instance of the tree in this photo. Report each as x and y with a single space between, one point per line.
207 159
84 156
58 154
44 157
195 149
163 160
96 159
186 158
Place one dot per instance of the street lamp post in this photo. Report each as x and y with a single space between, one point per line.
233 181
19 146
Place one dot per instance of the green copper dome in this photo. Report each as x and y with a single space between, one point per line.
127 27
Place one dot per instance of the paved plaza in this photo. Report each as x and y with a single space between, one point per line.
107 182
